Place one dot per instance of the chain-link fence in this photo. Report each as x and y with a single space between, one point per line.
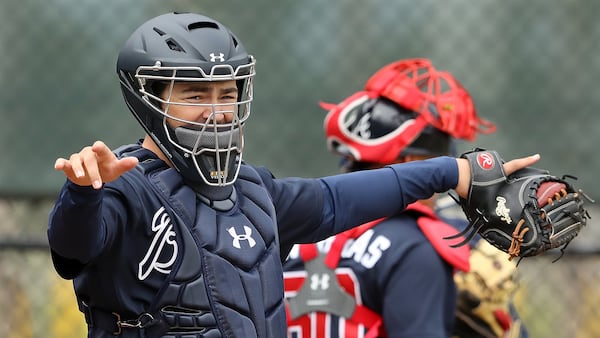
531 67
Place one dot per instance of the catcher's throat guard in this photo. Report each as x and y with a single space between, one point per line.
523 214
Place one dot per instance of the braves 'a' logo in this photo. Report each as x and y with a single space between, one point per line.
162 242
363 129
485 161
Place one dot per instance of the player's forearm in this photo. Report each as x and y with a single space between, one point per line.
421 179
75 228
363 196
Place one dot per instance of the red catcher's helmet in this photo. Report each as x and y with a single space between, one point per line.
407 105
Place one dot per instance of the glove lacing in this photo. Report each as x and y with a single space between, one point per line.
517 239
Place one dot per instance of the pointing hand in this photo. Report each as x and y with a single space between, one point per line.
94 165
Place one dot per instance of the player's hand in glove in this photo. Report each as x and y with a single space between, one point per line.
525 213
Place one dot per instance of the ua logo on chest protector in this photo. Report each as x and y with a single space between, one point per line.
246 236
162 242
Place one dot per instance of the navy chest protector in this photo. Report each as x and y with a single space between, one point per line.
226 279
338 298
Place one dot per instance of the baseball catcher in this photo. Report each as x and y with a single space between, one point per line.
393 277
524 214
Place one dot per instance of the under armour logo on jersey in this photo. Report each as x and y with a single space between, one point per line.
214 57
163 244
319 281
246 236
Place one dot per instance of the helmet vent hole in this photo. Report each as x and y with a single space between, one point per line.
444 86
423 84
161 33
202 24
173 45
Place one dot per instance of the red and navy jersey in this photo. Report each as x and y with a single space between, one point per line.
394 273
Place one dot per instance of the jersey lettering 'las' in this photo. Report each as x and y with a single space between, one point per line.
365 250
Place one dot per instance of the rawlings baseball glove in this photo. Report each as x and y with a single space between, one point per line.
524 214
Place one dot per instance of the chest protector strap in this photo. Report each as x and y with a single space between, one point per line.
361 315
435 230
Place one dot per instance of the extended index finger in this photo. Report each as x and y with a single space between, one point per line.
520 163
102 151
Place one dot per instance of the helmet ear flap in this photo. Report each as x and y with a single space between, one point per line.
368 128
127 80
337 135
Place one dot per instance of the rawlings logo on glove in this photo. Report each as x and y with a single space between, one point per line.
524 214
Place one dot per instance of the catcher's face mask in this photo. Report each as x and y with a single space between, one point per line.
203 120
176 48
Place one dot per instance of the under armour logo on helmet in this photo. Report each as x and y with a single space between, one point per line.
243 237
214 57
